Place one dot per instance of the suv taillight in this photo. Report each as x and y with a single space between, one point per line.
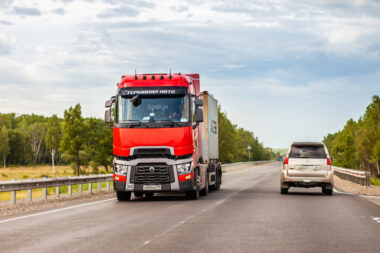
328 161
286 161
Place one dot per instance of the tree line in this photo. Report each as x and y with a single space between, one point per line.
35 139
83 142
234 142
357 145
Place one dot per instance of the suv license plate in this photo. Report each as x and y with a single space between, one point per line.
152 187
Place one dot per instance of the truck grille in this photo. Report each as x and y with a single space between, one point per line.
152 173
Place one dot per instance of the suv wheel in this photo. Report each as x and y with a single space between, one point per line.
284 190
329 192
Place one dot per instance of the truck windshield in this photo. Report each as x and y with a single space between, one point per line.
153 109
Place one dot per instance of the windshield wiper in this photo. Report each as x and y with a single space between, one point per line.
169 121
133 122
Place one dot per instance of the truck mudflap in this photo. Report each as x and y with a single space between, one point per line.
118 186
187 185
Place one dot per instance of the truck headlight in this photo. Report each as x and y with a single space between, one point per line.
121 169
184 168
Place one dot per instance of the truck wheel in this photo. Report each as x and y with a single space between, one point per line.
204 192
149 195
218 180
138 194
194 194
123 196
284 190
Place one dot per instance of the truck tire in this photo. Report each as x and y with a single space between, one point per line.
218 180
194 194
123 196
138 194
204 191
149 195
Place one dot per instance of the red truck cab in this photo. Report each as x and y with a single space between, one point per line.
157 136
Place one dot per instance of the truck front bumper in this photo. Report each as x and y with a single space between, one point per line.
174 186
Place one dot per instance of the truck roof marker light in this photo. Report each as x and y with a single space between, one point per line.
144 77
161 77
153 77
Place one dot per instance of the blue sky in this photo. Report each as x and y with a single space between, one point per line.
287 70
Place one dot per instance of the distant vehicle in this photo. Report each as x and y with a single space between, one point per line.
307 164
280 158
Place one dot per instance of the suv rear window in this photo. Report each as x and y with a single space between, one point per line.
304 151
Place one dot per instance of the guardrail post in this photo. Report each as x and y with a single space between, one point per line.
90 187
108 185
29 195
99 186
57 192
80 188
70 190
44 193
13 197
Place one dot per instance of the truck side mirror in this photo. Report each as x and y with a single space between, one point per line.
109 103
198 102
332 159
107 116
198 114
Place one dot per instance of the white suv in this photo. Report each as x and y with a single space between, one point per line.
307 164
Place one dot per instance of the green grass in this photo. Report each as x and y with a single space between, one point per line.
375 181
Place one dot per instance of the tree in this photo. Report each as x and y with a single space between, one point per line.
4 144
74 138
53 137
37 133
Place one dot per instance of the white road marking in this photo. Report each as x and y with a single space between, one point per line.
346 193
56 210
377 219
146 242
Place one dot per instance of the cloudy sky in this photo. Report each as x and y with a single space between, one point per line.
286 70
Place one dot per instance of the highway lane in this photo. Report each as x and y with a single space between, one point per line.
248 214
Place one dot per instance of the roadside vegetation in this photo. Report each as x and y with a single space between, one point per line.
357 145
234 142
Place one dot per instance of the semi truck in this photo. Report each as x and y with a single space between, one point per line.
165 136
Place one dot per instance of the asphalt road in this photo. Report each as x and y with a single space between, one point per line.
248 214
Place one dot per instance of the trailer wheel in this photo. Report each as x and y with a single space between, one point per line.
123 196
218 179
204 192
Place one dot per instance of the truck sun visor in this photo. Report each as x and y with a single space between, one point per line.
153 91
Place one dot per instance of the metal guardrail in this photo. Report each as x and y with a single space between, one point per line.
356 176
19 185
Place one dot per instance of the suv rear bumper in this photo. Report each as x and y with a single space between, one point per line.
307 182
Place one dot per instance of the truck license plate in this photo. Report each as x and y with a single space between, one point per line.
152 187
